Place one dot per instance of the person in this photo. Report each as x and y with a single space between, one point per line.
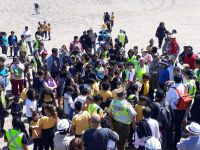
93 37
190 57
47 124
36 131
82 97
31 104
22 44
2 111
97 137
76 144
197 70
27 34
37 8
121 114
53 63
192 142
4 43
45 27
62 138
16 108
160 33
80 121
3 72
139 107
112 19
141 68
145 85
17 136
173 98
36 62
49 31
12 40
150 46
38 82
76 45
121 37
105 92
68 102
150 126
17 76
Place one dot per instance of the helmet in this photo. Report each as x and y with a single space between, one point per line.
62 125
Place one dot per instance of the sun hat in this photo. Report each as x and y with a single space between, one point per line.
193 128
63 125
153 144
119 90
186 44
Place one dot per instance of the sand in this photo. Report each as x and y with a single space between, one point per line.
139 18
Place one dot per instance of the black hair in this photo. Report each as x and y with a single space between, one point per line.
143 98
160 95
97 98
78 106
18 124
54 50
84 91
147 112
197 61
105 86
30 94
178 78
146 76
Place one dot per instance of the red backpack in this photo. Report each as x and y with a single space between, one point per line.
184 101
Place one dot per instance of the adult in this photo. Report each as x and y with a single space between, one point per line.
12 40
31 104
173 98
17 136
62 139
27 33
37 8
76 144
36 62
53 63
17 76
80 121
193 142
3 72
160 33
48 123
97 137
75 45
121 114
4 43
93 37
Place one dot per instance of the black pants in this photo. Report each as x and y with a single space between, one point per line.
179 116
123 132
49 34
37 144
45 34
160 40
2 121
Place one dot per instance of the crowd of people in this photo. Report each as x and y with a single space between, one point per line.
99 95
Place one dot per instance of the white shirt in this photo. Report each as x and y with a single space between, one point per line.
172 96
81 99
30 104
68 103
131 75
26 33
171 72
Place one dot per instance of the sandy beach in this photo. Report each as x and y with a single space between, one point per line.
139 18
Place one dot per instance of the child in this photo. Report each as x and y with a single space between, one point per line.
16 107
36 131
140 106
145 84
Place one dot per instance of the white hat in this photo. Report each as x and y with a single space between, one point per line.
63 125
193 128
153 144
172 36
3 56
187 44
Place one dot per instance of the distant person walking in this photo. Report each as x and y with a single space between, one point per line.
160 33
37 8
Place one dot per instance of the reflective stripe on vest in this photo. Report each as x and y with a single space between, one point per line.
120 112
14 139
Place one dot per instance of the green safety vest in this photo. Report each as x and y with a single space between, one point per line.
93 108
122 38
130 97
131 59
119 111
14 138
3 100
197 74
126 73
35 62
191 86
141 71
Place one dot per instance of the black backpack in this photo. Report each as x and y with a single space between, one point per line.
165 116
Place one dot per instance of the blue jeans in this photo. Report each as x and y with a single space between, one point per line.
30 46
4 82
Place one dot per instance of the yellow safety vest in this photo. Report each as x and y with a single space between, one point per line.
14 138
119 111
141 71
191 86
132 59
3 100
122 38
93 108
197 74
35 62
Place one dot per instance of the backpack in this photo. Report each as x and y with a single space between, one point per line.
165 116
185 99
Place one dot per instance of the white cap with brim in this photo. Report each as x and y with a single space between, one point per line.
187 44
153 144
193 128
62 125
